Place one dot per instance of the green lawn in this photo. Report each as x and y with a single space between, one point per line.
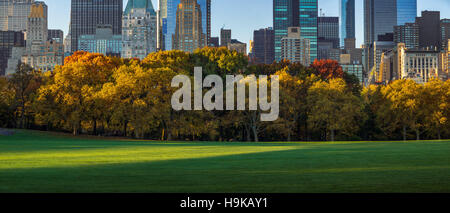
33 161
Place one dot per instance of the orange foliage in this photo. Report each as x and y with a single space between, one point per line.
327 69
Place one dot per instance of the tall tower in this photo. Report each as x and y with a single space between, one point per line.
189 32
86 15
14 14
139 29
406 11
295 13
169 21
37 27
380 16
347 20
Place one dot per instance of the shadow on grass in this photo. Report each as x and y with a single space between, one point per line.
310 171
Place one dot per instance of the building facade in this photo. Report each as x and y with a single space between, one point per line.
445 33
429 29
407 34
295 48
263 46
225 37
42 53
56 35
104 41
9 40
347 20
418 65
296 13
87 14
14 14
237 46
380 16
328 29
171 27
139 29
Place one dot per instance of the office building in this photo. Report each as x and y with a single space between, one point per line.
14 14
184 18
9 40
406 11
104 41
214 42
328 29
42 53
295 48
295 13
225 37
429 29
380 16
237 46
263 47
347 20
139 29
445 33
407 34
56 35
86 15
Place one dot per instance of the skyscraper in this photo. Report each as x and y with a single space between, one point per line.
189 34
308 13
225 37
295 48
380 16
139 29
14 14
406 11
328 29
430 29
295 13
347 20
169 9
86 15
263 46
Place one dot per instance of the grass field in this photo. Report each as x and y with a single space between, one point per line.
33 161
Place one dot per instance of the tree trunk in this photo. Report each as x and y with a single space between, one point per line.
332 135
162 134
95 127
255 133
404 132
289 137
125 129
439 134
418 135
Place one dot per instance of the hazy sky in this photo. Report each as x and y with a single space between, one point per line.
244 16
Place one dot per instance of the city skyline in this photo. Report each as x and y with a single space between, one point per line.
250 12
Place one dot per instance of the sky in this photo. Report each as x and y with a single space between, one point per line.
245 16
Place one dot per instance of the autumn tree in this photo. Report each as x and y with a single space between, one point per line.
333 108
327 69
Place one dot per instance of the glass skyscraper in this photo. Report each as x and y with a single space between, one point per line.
380 16
295 13
308 13
406 11
347 20
169 22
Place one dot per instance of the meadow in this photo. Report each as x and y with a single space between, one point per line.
41 162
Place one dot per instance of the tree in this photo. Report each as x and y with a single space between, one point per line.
25 82
403 102
327 69
433 104
333 108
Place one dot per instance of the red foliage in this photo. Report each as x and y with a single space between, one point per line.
327 69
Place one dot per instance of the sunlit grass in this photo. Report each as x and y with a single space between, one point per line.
32 161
